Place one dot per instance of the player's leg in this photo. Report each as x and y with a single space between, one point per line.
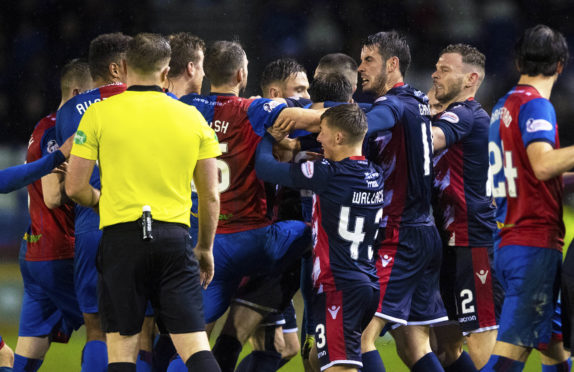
531 292
556 357
308 324
6 357
267 342
145 355
94 354
292 344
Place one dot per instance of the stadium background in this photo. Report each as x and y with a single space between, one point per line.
38 36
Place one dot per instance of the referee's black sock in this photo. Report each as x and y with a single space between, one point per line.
226 351
202 361
122 367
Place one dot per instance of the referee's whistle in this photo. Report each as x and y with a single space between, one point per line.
146 223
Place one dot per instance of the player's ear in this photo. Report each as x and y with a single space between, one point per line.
163 74
559 67
472 79
190 69
115 70
75 92
392 64
273 92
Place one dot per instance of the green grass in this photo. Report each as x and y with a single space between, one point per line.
66 357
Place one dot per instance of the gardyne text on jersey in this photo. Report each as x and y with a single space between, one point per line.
368 198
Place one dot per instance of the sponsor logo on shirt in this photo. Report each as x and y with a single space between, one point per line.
269 106
80 138
52 146
451 117
502 114
537 125
308 168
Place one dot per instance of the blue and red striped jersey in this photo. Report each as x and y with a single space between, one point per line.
50 235
529 211
239 124
399 140
464 211
67 121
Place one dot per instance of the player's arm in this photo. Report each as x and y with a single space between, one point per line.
438 139
450 127
19 176
548 162
77 182
206 181
53 183
305 119
268 168
380 118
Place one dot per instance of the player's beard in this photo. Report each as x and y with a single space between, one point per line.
454 90
378 86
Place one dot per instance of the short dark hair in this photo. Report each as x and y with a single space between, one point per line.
106 49
280 70
391 44
74 71
185 48
470 55
348 118
539 50
147 52
333 87
222 60
341 63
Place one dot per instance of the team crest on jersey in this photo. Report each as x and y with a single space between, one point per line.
536 125
52 146
449 116
269 106
308 168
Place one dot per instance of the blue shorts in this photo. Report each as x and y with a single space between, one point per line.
49 306
259 251
530 277
409 270
341 317
85 273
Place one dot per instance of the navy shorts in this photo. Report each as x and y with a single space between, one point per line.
341 317
49 306
260 251
85 273
530 277
287 319
163 270
467 287
409 269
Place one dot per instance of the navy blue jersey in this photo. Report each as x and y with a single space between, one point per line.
399 140
67 121
465 213
347 208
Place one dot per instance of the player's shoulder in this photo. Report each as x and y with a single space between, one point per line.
46 122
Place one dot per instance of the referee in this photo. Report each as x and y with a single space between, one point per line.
149 148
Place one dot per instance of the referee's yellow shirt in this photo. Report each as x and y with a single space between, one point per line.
147 145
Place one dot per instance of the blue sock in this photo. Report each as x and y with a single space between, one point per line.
177 365
498 363
560 367
243 366
463 364
23 364
95 357
144 362
428 363
372 362
6 369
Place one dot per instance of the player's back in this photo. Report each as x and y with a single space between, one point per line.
529 211
67 121
347 207
239 124
404 151
464 206
50 235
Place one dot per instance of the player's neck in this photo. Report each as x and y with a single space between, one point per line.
463 96
103 82
180 87
345 152
393 80
543 84
226 89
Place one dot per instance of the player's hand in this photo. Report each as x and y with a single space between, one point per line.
312 156
61 169
67 146
206 266
281 129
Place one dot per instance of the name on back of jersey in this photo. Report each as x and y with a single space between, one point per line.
502 114
83 106
368 197
219 126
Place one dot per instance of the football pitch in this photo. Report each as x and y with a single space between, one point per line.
66 357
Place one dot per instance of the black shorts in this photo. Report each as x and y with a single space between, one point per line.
163 270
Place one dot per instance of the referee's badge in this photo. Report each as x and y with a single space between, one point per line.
80 138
